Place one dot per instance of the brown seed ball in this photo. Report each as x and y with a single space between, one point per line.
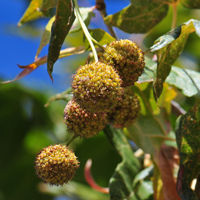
127 58
126 111
82 123
97 87
56 164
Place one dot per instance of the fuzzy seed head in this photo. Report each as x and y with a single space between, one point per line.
56 165
126 111
82 123
127 58
97 87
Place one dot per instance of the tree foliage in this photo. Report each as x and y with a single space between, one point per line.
159 152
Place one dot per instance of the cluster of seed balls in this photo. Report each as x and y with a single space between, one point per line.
101 95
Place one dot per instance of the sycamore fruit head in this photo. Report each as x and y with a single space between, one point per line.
127 58
56 164
126 110
97 87
82 123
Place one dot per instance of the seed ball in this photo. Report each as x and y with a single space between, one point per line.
127 58
97 87
56 164
82 123
126 111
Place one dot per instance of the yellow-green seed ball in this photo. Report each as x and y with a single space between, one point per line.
56 164
126 111
82 123
97 87
127 58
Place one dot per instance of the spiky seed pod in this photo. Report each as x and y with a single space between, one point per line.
82 123
97 87
56 164
126 111
127 58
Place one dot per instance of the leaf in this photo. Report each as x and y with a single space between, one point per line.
138 19
188 140
166 159
188 81
87 14
120 185
47 4
142 184
191 4
40 61
45 36
32 12
168 48
100 36
60 28
150 130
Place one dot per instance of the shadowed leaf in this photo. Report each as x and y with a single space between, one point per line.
120 186
60 28
100 36
138 19
32 12
168 48
40 61
47 4
191 4
188 140
150 129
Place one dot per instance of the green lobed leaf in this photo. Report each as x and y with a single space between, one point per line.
138 19
32 12
168 48
47 4
100 36
120 185
188 140
60 28
191 4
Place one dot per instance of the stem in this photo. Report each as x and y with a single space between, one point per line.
174 15
101 7
85 30
74 137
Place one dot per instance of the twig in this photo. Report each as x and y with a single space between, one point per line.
176 109
101 7
174 15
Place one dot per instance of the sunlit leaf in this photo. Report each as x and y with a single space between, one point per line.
191 4
168 48
32 12
120 186
45 36
188 140
87 14
60 28
47 4
138 19
100 36
188 81
40 61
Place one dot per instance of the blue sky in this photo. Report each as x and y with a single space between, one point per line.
17 49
